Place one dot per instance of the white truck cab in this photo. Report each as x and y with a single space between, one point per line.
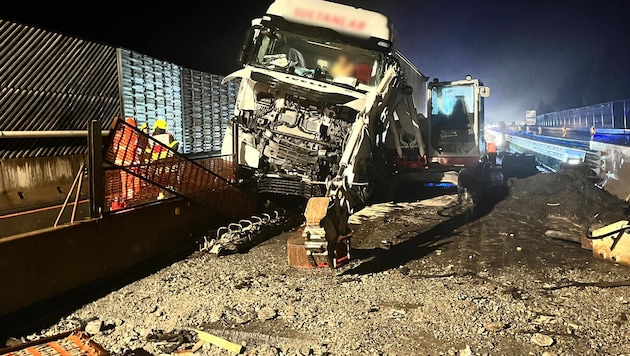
310 67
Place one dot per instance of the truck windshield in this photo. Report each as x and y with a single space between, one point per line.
315 58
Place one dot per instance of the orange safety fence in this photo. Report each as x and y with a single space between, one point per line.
124 190
136 176
70 343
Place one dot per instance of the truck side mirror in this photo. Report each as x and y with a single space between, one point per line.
484 92
243 55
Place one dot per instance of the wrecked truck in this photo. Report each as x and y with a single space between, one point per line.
330 111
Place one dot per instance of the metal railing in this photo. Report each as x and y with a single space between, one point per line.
143 169
612 114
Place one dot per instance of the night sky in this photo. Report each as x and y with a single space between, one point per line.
536 54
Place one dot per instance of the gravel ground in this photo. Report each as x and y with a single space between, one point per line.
422 280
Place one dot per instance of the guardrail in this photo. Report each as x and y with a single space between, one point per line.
561 153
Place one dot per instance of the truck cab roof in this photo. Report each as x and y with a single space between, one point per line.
342 18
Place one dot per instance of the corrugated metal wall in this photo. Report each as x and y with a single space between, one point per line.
152 89
50 81
208 106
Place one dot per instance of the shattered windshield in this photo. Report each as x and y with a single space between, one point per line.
321 60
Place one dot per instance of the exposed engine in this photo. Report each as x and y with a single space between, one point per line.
298 137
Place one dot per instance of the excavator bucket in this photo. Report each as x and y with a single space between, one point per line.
308 246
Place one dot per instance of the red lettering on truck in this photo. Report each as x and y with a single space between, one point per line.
330 18
333 19
357 24
304 13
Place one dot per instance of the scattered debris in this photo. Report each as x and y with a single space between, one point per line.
267 313
448 300
239 237
495 326
171 341
94 327
465 352
12 341
563 228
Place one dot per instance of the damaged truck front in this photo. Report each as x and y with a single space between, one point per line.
319 87
294 111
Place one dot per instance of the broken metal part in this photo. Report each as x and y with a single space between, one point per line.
240 236
612 242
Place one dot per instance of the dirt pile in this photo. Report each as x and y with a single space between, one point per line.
562 194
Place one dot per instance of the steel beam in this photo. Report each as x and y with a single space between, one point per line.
47 134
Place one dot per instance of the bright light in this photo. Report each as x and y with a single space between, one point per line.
499 140
440 184
574 161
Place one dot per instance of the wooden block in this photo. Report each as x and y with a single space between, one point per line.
217 341
315 210
298 256
297 251
586 243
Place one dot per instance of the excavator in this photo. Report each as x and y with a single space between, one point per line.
336 133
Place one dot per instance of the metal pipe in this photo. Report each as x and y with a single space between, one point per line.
396 134
76 197
43 134
415 123
95 169
65 203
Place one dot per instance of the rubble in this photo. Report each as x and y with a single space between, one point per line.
541 340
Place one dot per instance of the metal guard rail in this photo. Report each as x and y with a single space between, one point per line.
561 153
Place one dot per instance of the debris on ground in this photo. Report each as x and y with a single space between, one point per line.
566 203
239 237
220 342
567 194
420 282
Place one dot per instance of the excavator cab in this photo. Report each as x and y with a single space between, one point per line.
456 121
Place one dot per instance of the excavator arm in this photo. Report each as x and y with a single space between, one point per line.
326 234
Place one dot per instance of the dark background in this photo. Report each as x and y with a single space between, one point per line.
543 55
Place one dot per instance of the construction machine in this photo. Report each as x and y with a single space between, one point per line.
337 132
